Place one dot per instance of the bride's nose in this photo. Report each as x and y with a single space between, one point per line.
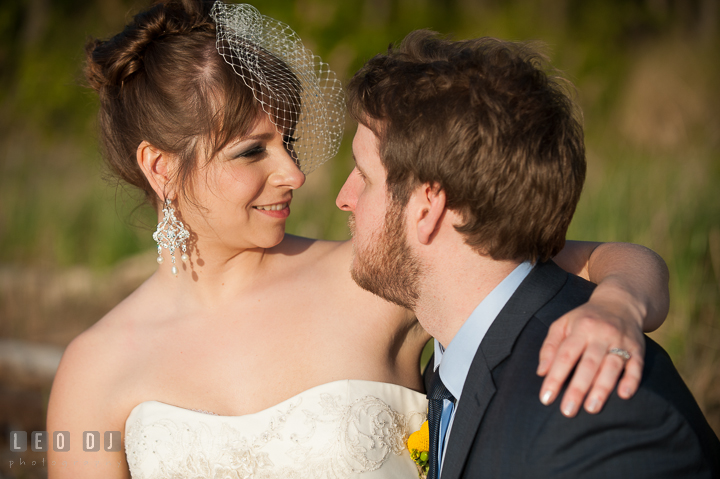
287 174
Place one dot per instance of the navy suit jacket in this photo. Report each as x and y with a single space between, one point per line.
502 430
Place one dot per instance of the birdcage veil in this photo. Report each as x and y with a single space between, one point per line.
301 95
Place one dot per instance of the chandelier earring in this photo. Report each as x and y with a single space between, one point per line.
171 234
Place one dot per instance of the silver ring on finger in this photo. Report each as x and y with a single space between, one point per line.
620 352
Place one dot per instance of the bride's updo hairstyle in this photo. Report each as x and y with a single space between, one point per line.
162 80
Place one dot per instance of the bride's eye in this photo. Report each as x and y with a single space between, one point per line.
253 152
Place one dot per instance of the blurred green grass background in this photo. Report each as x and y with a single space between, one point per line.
646 73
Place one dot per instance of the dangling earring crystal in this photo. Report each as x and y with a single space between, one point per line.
171 234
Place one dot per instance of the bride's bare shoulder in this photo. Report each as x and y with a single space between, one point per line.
324 266
96 384
319 253
108 350
292 244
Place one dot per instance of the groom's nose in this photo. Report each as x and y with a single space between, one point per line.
347 198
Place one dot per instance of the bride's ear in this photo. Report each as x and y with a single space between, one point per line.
155 165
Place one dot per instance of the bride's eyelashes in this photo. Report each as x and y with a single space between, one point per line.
254 152
257 151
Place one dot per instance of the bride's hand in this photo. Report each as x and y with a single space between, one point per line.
586 334
631 296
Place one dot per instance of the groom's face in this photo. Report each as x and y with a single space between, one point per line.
364 193
383 262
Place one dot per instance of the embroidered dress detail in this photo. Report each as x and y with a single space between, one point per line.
343 429
204 412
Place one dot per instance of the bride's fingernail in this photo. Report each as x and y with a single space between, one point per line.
545 399
594 405
568 409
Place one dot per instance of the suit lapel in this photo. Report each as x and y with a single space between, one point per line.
469 414
541 285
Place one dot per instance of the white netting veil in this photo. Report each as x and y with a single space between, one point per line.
301 95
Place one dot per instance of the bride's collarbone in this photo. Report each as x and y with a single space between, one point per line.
265 313
187 375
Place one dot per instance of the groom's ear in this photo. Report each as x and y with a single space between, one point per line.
429 210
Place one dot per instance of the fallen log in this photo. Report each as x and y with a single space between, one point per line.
27 365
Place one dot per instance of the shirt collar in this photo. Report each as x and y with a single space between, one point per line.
455 360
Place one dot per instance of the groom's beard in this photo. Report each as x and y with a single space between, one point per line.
386 266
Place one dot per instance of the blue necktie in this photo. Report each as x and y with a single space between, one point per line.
438 393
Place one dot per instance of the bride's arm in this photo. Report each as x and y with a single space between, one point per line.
631 297
81 400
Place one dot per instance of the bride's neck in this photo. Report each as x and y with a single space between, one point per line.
214 275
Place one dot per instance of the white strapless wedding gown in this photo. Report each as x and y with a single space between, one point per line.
342 429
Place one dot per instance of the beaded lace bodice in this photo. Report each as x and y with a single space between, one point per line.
342 429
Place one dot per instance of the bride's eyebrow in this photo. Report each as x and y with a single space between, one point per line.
267 136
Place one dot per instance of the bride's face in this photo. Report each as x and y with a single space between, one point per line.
244 192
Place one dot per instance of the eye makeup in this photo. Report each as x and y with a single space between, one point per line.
250 152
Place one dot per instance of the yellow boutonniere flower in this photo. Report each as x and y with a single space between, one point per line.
419 446
420 440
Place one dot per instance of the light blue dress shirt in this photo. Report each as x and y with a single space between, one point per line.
455 360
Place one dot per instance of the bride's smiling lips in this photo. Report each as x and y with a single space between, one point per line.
275 210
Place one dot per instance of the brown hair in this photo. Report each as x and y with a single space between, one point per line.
161 80
483 120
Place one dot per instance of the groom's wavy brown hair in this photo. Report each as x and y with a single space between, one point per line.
485 121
